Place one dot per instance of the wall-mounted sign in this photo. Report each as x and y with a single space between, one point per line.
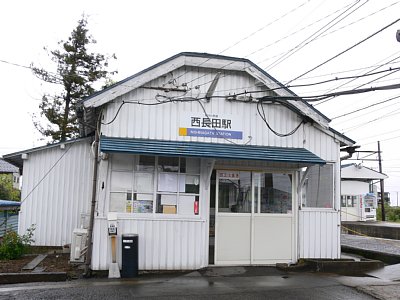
233 175
212 125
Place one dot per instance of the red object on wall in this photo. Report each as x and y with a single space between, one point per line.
196 207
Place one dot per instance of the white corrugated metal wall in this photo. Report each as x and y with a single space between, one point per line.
165 242
174 244
162 122
319 234
56 191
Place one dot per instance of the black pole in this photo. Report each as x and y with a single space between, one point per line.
382 184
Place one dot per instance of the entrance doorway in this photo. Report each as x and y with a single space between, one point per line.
254 220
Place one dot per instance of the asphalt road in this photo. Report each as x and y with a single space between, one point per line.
224 283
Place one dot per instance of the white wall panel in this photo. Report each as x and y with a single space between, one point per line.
319 234
163 121
354 187
56 190
164 244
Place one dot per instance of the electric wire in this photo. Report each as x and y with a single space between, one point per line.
228 64
344 51
348 71
49 171
394 113
361 19
247 37
315 35
365 107
367 113
290 35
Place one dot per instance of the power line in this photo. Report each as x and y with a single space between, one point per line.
375 68
365 107
345 77
245 38
48 172
348 71
394 113
314 36
291 35
344 51
361 19
14 64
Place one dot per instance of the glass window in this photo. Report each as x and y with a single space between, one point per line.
234 192
168 164
121 181
318 187
146 163
144 182
122 162
169 185
119 202
178 186
275 193
343 200
192 166
192 184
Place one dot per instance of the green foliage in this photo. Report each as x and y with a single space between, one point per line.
392 213
7 191
13 246
77 72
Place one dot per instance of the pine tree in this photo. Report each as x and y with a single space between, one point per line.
77 72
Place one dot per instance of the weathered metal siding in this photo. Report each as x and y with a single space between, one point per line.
56 190
319 234
8 220
162 122
169 244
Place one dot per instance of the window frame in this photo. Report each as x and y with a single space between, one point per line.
334 204
154 194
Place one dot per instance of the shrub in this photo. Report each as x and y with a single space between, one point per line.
13 246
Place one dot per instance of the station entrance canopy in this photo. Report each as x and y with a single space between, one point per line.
298 156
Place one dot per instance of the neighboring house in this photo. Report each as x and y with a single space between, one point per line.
359 198
197 166
7 168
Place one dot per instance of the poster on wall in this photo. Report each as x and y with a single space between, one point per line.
210 125
142 206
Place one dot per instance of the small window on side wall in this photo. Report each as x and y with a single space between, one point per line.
318 190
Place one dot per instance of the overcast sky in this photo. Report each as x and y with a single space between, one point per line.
286 38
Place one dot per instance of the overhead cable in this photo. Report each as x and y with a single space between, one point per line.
344 51
315 35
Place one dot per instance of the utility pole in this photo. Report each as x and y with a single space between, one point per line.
381 182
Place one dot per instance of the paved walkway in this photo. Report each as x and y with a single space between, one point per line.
371 243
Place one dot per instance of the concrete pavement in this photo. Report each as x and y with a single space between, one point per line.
211 283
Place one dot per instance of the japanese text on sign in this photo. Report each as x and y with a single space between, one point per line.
211 123
234 175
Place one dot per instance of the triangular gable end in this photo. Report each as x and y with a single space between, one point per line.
203 61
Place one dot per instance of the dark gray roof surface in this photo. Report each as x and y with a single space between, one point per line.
6 167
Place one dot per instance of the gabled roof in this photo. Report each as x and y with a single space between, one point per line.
211 61
357 171
6 167
16 157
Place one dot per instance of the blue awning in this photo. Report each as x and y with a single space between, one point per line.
209 150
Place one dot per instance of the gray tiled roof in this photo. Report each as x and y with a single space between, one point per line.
6 167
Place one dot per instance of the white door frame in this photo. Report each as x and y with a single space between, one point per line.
254 215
